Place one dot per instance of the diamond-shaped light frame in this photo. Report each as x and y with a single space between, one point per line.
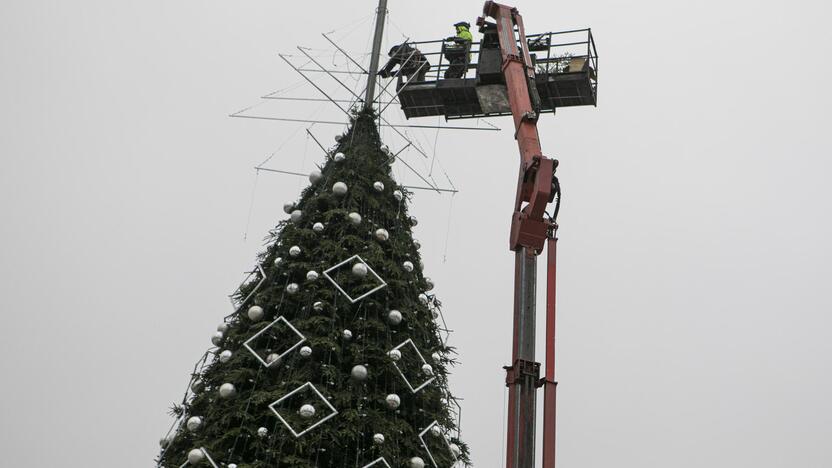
299 389
207 456
378 462
370 269
407 382
444 438
258 270
266 328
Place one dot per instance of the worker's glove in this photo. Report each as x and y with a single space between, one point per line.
384 74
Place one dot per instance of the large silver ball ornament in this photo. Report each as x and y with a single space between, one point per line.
312 275
436 357
359 372
427 369
417 462
197 386
196 456
294 251
227 390
273 360
378 439
318 227
217 338
278 261
262 432
354 218
378 186
429 284
394 317
455 450
339 188
223 327
360 270
292 288
305 351
417 244
288 207
398 195
408 266
393 401
423 298
435 430
382 234
315 176
194 423
395 354
318 306
414 221
225 356
347 334
306 411
255 313
232 465
296 216
340 157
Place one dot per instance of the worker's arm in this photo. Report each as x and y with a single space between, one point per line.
386 72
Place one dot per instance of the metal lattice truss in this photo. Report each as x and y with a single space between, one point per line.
257 271
307 385
409 342
248 343
378 462
207 457
351 260
444 439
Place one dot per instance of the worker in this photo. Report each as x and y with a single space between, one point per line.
458 53
411 62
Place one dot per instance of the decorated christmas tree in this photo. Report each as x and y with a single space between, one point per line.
334 357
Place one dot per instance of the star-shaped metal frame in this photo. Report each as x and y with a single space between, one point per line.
369 269
299 389
247 343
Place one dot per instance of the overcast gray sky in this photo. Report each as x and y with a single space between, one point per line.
694 259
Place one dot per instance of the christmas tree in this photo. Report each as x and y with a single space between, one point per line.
334 357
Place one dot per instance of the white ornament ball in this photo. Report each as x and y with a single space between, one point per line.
408 266
417 462
417 244
312 275
195 456
227 390
318 227
194 423
394 317
354 218
427 369
395 354
294 251
435 314
436 357
296 216
273 360
307 411
223 327
359 372
398 195
255 313
414 221
315 176
378 438
278 261
382 234
197 386
360 270
262 432
318 306
378 186
305 351
393 401
423 298
429 284
217 338
347 334
455 450
232 465
292 288
288 207
339 188
435 430
340 157
225 356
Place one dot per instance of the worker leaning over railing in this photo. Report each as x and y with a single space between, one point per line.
459 53
412 64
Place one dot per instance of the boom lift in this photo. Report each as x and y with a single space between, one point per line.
510 80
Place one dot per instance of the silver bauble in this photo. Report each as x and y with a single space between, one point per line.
262 432
217 338
414 221
423 298
232 465
273 360
417 244
197 386
255 313
434 313
393 401
436 357
225 356
278 261
408 266
296 216
196 456
417 462
292 288
378 186
435 430
306 411
394 317
318 306
455 450
382 234
395 354
312 275
227 390
354 218
360 270
305 351
315 176
378 439
427 369
288 207
398 195
359 372
318 227
347 334
194 423
339 188
429 284
340 157
294 251
223 327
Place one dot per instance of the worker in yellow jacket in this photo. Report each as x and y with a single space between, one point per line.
458 53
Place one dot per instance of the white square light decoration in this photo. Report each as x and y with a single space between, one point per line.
444 439
421 358
294 330
369 270
237 305
307 385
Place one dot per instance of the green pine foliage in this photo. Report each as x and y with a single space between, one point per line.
229 430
